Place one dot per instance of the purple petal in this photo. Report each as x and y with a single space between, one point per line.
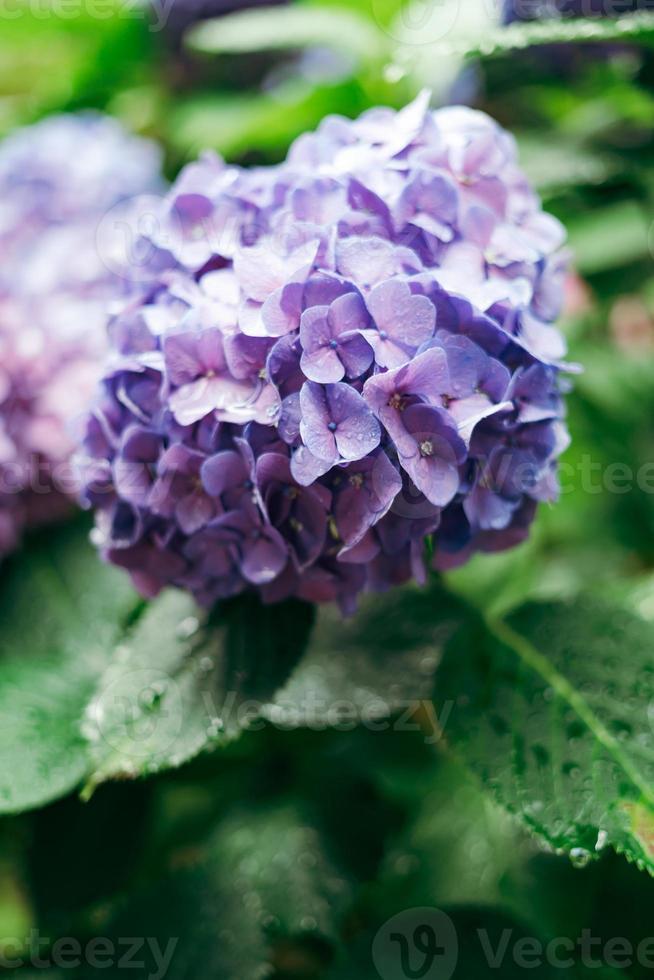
316 419
265 557
348 313
357 431
282 310
356 355
194 511
366 260
323 365
232 401
189 355
307 468
315 329
408 319
222 472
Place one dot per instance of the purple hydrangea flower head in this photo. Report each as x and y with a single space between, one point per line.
58 179
341 357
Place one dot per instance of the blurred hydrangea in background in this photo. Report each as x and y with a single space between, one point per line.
343 356
58 179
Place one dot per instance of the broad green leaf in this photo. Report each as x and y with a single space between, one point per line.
280 859
630 27
435 40
182 681
380 661
553 712
192 925
297 26
458 846
262 881
61 610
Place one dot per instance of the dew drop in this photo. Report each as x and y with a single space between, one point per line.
215 727
188 627
580 857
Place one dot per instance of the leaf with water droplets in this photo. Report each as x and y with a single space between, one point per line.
184 681
501 40
61 611
379 663
552 712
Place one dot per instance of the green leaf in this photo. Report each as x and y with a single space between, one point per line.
183 681
50 63
371 666
609 238
263 880
435 41
297 26
61 611
553 712
192 926
630 27
458 846
280 858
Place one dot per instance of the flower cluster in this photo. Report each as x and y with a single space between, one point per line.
342 359
58 178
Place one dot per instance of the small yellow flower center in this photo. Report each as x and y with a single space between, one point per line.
333 530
